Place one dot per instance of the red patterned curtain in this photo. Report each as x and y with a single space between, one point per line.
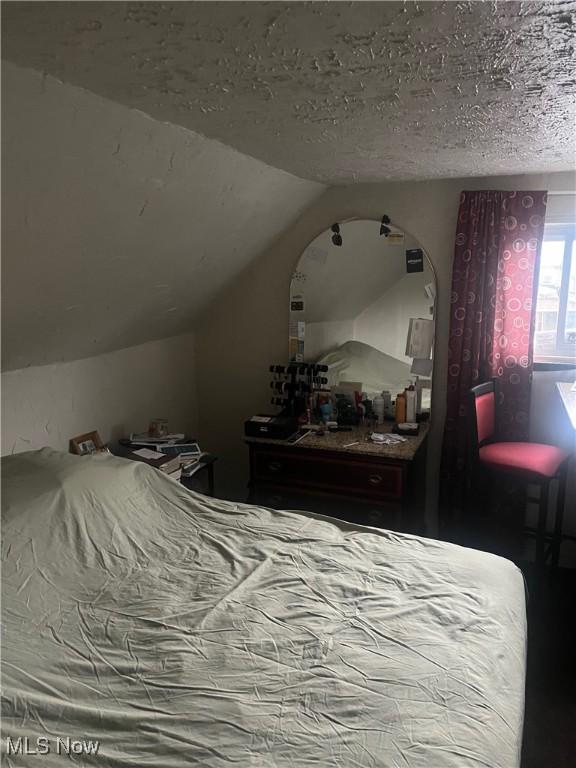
494 281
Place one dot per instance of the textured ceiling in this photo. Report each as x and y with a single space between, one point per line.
334 92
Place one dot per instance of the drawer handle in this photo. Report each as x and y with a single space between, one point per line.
274 466
375 479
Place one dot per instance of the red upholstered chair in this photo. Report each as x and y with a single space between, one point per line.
534 463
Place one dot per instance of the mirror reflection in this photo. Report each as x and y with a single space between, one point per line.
362 303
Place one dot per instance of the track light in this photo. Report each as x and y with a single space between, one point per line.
336 237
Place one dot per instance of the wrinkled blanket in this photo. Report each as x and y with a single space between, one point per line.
145 625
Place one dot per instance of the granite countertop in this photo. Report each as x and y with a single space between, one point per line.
337 441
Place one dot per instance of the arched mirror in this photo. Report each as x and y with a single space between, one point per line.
362 302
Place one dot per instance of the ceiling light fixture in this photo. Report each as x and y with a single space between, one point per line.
336 237
384 230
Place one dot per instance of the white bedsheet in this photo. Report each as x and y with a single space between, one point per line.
178 630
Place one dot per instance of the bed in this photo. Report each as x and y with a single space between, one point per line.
355 361
152 626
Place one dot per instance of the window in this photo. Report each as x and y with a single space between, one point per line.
555 327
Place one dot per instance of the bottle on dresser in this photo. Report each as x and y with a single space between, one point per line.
400 407
378 408
411 403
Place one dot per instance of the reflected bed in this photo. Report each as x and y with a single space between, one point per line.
374 370
180 630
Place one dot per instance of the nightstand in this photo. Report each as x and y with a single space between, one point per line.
202 481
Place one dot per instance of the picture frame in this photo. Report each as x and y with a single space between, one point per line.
86 444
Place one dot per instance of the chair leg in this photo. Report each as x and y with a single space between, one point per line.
541 533
559 517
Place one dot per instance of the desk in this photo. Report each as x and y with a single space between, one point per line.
568 397
366 483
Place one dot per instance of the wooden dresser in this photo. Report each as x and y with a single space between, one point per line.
365 483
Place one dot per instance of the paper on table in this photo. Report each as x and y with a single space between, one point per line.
146 453
386 438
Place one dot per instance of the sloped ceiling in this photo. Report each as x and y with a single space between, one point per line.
334 92
118 229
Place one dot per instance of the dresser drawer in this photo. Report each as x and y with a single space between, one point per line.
299 469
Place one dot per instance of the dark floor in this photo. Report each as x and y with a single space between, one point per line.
550 715
550 718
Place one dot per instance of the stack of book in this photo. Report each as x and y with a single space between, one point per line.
170 454
144 440
170 465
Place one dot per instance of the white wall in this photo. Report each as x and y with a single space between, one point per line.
233 374
324 337
119 229
384 324
114 394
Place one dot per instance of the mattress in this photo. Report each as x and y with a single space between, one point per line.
145 625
